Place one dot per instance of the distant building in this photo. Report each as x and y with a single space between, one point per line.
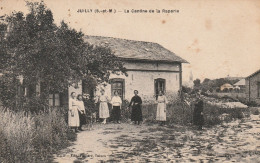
226 86
240 85
253 87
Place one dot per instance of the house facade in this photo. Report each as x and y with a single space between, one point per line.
253 87
150 68
240 85
226 86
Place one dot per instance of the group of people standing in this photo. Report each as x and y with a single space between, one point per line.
77 110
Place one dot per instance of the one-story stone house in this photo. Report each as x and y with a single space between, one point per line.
150 68
253 87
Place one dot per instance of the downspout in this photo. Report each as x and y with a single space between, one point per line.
180 78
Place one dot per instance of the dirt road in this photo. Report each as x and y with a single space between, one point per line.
238 141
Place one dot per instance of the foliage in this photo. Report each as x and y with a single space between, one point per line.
8 90
196 83
33 47
178 112
32 138
214 84
186 89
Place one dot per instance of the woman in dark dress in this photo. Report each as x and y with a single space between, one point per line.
198 118
136 103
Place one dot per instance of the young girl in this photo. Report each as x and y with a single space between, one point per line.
116 103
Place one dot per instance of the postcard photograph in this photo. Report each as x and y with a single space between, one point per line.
129 81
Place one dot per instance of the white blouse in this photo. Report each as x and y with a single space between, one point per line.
162 99
72 102
116 101
81 105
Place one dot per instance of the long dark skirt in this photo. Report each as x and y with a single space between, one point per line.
136 114
198 119
116 113
82 119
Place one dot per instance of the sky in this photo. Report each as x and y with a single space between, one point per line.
218 38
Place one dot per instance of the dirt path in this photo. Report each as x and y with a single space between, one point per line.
238 141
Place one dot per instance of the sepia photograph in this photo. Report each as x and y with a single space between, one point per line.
109 81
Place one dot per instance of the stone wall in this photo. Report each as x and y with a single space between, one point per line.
142 76
252 88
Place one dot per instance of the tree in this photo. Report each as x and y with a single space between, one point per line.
205 81
54 56
196 83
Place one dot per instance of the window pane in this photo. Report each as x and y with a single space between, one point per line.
50 99
57 99
117 86
159 85
50 102
57 95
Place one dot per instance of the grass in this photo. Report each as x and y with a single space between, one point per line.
178 113
26 137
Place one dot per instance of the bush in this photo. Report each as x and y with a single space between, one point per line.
32 138
251 103
214 115
181 113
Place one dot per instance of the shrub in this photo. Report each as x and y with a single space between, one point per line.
213 114
181 113
32 137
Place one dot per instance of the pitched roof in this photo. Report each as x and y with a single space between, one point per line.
240 82
135 50
226 85
258 71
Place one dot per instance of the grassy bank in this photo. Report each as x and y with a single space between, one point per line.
26 137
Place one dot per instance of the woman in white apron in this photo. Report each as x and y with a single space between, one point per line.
103 107
73 115
161 108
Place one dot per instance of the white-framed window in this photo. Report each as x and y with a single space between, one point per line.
118 85
159 85
54 99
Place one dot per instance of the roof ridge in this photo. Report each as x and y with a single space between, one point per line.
253 73
121 39
141 49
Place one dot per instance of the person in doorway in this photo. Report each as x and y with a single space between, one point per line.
136 103
116 104
103 107
161 108
198 118
90 107
73 115
81 111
